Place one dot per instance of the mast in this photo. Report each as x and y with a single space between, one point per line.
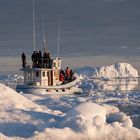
44 38
34 26
58 44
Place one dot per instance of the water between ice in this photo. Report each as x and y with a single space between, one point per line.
123 93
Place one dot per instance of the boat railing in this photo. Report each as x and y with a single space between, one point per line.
28 81
20 82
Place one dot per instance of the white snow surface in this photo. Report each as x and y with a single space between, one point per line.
117 70
84 117
10 99
43 117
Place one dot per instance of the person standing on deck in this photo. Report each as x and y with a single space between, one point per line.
33 57
40 60
23 56
47 59
62 76
67 74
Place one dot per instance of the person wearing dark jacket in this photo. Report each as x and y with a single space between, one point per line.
40 60
46 58
33 57
23 56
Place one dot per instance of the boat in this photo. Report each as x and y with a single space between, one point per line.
46 80
44 75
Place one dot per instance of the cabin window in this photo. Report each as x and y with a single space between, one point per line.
43 73
58 64
29 74
37 74
54 64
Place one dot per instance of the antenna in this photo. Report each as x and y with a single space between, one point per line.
44 38
34 25
58 45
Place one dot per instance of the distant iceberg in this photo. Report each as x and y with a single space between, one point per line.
117 70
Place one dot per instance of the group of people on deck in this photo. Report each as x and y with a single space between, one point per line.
66 76
39 60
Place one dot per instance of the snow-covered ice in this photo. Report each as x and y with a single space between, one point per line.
93 115
50 117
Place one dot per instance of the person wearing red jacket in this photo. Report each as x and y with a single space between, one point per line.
62 77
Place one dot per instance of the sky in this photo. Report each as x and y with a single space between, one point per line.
89 28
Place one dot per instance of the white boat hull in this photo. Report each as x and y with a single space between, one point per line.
36 90
68 88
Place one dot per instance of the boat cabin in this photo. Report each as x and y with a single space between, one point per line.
43 76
